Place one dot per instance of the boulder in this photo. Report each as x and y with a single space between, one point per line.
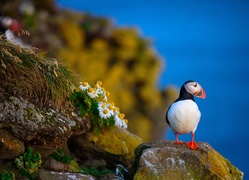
54 165
41 126
114 146
10 146
166 160
46 175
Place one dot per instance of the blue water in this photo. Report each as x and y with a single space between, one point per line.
207 41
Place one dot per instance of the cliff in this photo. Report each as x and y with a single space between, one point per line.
50 129
166 160
96 49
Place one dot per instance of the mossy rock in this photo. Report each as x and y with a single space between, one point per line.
114 146
166 160
10 146
117 141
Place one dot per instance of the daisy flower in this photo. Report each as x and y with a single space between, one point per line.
101 91
120 121
84 86
105 110
92 93
124 123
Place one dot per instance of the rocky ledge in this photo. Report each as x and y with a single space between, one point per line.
166 160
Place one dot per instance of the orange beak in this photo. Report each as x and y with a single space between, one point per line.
201 94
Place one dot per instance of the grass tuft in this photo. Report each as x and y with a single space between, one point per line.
27 73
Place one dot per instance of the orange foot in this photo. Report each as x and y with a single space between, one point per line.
192 145
178 142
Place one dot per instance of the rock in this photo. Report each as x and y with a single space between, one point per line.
46 151
166 160
10 146
41 126
115 146
95 163
54 165
51 175
111 176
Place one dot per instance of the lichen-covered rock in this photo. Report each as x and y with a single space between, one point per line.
46 175
35 95
10 146
166 160
115 146
54 165
111 176
42 126
117 141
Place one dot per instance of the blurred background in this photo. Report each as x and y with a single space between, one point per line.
143 51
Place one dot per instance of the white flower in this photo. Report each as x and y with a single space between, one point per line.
98 87
117 120
123 124
105 94
105 113
120 121
101 91
92 93
105 110
84 86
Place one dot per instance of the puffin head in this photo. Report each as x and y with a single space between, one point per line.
195 89
10 23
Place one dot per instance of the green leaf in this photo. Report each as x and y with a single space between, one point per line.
60 156
97 173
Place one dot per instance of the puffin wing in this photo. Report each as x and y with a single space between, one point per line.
167 120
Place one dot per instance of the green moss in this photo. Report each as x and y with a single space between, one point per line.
72 165
7 175
29 163
89 107
59 155
95 172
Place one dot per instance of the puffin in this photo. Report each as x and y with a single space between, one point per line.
183 115
8 24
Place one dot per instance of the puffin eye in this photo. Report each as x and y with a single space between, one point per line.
195 85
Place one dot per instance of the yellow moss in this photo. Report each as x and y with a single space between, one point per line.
218 165
125 54
144 175
99 44
152 101
113 76
141 125
139 71
74 59
124 95
72 33
117 141
171 93
126 37
216 158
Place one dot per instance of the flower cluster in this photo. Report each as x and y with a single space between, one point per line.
105 109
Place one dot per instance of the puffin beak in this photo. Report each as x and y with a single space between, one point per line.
201 94
15 26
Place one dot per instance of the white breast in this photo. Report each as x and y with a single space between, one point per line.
184 116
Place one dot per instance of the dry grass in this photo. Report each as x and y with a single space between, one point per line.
26 73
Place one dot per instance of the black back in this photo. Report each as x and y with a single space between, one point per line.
2 29
184 95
